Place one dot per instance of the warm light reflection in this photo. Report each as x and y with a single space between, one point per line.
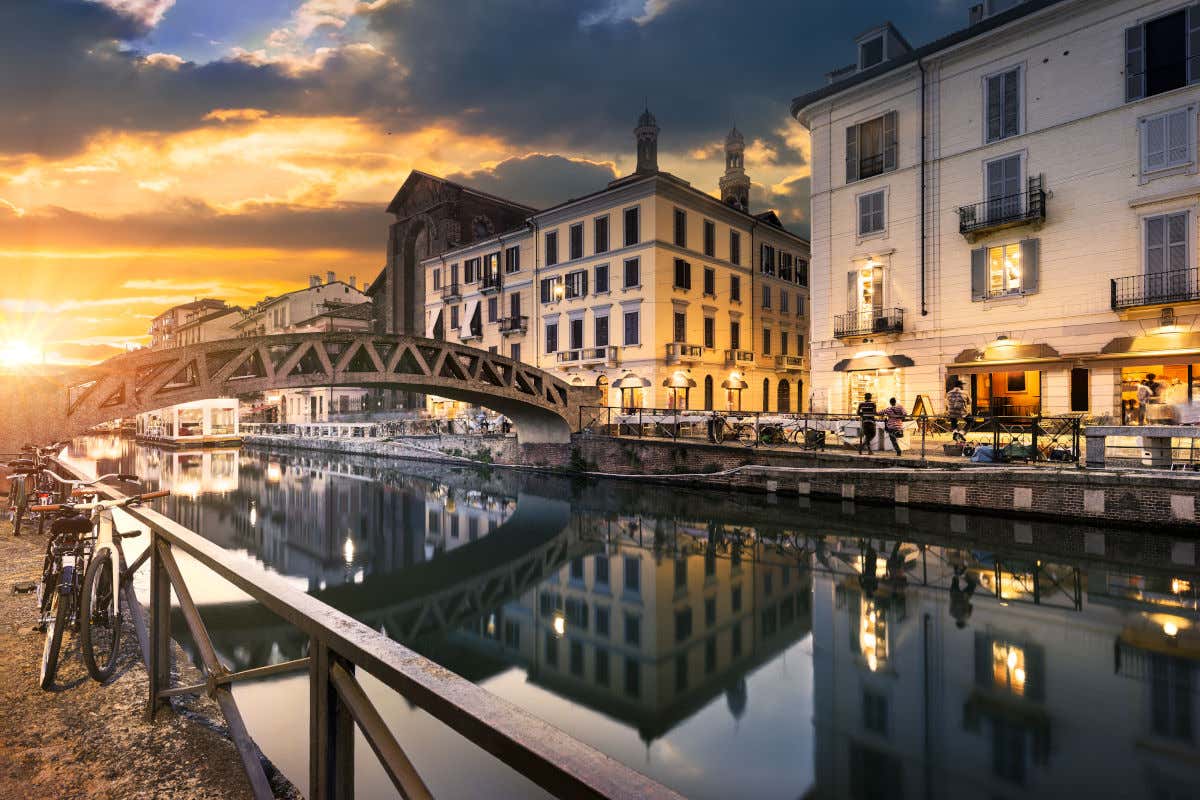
872 635
1170 629
274 473
348 550
1008 667
560 624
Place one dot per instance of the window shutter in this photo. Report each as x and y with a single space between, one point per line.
1029 265
852 154
1135 63
584 284
995 107
1193 24
1177 136
889 141
1155 143
979 274
877 297
1012 104
1177 241
864 214
852 291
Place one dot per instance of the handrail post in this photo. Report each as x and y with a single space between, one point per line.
160 627
924 428
330 730
1037 423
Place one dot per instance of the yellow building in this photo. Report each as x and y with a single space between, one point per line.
664 294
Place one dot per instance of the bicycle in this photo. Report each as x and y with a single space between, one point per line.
30 485
82 544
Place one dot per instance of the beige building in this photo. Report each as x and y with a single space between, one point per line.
208 326
1013 206
663 294
167 327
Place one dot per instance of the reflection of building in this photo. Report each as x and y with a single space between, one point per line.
978 676
1061 137
198 423
659 624
648 281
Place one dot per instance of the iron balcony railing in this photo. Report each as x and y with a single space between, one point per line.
733 357
588 355
451 290
865 323
789 362
514 325
1004 212
681 351
1156 288
491 283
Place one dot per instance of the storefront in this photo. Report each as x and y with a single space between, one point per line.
632 388
1006 379
1166 363
874 373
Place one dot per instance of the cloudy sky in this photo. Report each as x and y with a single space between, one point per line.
153 151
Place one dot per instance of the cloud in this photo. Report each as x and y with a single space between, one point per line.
789 199
539 180
146 12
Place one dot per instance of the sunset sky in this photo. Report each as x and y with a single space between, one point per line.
154 151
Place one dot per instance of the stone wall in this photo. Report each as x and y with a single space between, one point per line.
497 449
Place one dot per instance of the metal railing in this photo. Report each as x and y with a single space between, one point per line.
451 290
681 351
339 648
587 355
1155 288
1002 212
865 323
1054 439
492 282
511 325
789 362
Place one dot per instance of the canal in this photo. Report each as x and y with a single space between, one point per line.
727 646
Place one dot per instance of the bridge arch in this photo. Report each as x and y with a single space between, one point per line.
543 408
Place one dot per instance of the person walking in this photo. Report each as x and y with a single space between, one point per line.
957 402
893 423
866 416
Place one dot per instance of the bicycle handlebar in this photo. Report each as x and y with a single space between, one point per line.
124 501
121 476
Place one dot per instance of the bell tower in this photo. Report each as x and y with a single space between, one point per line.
647 143
735 183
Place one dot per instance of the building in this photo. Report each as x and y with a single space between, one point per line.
327 306
663 294
1013 206
208 325
165 328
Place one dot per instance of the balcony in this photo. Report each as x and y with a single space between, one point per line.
1156 289
738 358
491 283
868 323
451 291
473 335
683 353
789 363
589 356
1025 208
514 326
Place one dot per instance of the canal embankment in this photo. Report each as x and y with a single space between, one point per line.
84 741
1127 497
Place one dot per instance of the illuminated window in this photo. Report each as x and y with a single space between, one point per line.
1008 667
1004 269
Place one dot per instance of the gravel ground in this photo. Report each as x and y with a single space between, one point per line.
84 740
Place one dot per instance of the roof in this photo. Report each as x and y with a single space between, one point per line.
215 315
195 305
362 311
261 306
395 204
970 32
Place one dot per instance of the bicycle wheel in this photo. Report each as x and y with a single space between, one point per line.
99 627
61 603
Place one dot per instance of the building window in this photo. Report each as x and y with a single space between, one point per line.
783 343
633 275
551 337
870 52
785 265
783 302
600 234
551 289
766 296
437 278
471 270
1171 697
575 241
632 225
514 306
601 279
1167 248
512 259
514 352
551 248
735 248
576 284
683 624
735 288
683 274
710 333
802 271
633 630
680 227
735 335
1157 54
710 238
710 281
493 305
680 327
601 667
766 341
633 678
766 260
1168 141
875 712
799 344
870 213
1004 269
632 328
601 331
799 305
575 332
454 317
1003 103
871 147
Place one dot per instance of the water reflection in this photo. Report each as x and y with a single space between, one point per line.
726 646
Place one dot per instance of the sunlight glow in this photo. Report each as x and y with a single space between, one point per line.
19 353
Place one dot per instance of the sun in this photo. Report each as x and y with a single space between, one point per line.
19 353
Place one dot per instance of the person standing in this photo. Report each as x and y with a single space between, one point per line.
866 416
957 402
893 423
1145 392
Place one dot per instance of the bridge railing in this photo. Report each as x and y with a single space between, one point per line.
340 648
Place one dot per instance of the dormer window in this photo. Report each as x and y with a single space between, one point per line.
870 52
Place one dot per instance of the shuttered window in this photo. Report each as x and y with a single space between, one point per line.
680 330
1166 244
1168 140
601 331
870 213
1003 105
551 337
871 147
1006 269
683 274
1163 54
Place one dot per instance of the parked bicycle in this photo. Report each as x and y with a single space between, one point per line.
30 485
81 579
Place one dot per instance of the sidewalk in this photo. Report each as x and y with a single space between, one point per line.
83 740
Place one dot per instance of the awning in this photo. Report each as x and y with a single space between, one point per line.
433 323
1159 348
631 381
1152 640
735 384
464 328
872 362
680 380
999 353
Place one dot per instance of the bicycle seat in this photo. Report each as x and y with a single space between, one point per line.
76 525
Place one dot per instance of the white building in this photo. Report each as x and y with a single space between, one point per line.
1014 205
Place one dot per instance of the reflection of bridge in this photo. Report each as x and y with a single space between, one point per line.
435 596
543 408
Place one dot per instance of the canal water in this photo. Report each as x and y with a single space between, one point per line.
725 645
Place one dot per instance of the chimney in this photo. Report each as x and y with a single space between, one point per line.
330 277
976 14
353 283
314 281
